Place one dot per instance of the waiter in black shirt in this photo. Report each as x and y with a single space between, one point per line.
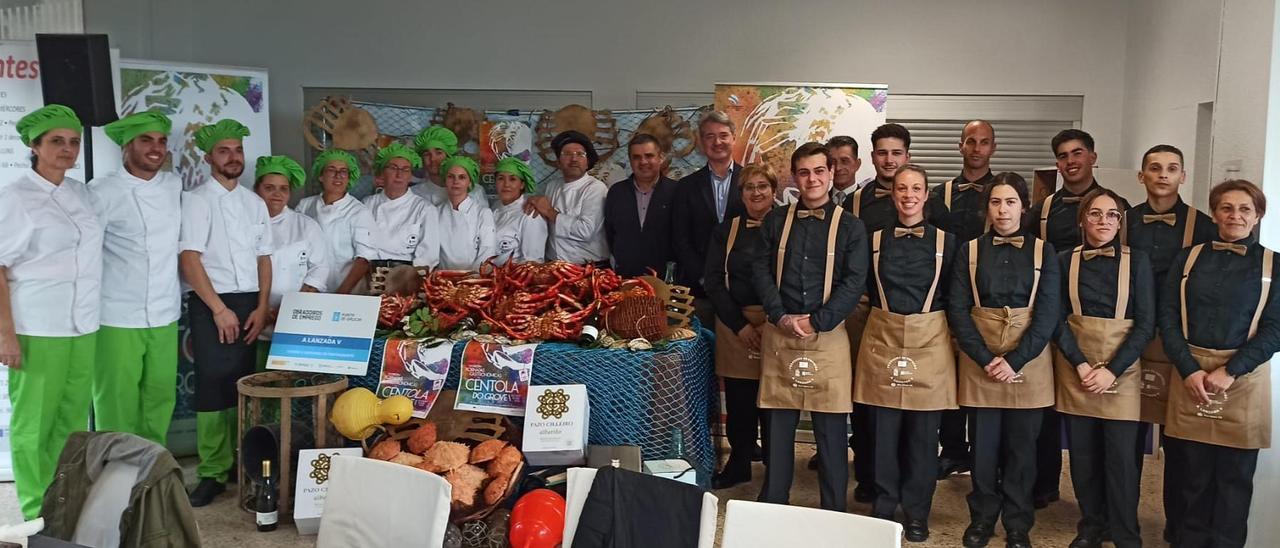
813 272
1220 321
1003 308
956 207
906 367
1162 226
1109 310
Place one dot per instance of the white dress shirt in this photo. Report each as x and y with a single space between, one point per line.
467 236
142 220
301 255
229 230
348 227
51 246
436 195
577 235
521 237
405 229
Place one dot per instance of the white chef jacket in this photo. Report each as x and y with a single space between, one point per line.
142 220
467 236
577 235
405 229
229 228
521 237
301 255
348 227
436 195
51 246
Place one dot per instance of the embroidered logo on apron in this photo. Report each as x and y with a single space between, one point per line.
1153 383
902 371
1212 410
803 372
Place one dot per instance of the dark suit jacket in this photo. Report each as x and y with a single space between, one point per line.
636 250
626 509
695 219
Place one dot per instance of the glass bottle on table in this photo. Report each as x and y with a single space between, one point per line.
265 507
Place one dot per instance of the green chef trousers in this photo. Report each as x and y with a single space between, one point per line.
216 442
135 381
50 394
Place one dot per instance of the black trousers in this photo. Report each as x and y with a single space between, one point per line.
1049 454
1004 466
1106 477
1173 505
1216 491
906 445
862 441
217 365
741 420
833 461
953 434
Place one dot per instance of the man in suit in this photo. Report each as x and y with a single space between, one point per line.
637 212
703 200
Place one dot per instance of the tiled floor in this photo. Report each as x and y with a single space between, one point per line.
223 525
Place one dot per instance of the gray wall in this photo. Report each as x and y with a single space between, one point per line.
613 49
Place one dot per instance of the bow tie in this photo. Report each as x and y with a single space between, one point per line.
1103 251
752 223
1238 249
1071 199
1166 218
962 187
899 232
818 214
1015 241
882 192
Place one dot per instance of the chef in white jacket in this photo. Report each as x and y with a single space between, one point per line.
347 224
467 236
436 144
300 260
521 237
406 231
574 206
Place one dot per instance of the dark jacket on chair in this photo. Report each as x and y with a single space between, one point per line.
694 220
627 509
635 250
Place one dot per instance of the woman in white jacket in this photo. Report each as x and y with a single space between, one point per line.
467 236
521 237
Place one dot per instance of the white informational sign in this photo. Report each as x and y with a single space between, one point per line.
20 94
555 425
324 333
312 485
193 95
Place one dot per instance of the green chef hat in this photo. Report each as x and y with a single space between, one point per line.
517 167
436 137
44 119
395 150
125 129
282 165
317 167
473 170
212 134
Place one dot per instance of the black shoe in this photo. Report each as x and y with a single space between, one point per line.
205 491
1017 539
726 479
1042 501
948 466
977 535
757 454
916 531
813 462
864 493
1082 541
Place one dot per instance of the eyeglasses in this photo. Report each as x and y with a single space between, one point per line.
756 187
334 172
398 169
1097 216
574 154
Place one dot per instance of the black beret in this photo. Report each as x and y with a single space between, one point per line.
571 136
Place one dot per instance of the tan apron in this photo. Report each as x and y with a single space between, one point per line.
1002 328
906 360
811 374
733 359
1239 417
1099 338
1157 371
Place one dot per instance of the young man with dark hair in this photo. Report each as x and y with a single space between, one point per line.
811 276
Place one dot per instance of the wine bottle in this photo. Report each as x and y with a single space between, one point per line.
265 505
670 276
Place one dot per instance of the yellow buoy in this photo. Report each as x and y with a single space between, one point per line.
358 412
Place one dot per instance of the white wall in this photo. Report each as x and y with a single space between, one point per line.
613 48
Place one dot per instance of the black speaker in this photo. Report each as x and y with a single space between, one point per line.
75 70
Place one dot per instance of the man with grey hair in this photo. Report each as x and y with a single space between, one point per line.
704 199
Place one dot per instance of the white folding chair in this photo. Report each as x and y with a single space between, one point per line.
750 524
579 486
377 503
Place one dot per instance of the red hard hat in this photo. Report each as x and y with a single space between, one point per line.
537 520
